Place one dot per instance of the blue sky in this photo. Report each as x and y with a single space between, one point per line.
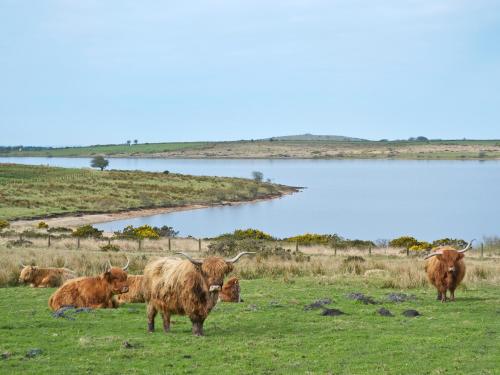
87 72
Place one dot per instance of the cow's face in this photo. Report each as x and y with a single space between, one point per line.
117 279
214 269
450 258
27 274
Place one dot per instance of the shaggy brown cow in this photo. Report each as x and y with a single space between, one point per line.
134 294
94 292
38 277
231 291
446 269
185 287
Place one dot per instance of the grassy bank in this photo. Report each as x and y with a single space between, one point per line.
414 150
270 333
38 191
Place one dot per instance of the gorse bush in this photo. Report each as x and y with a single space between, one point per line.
453 242
166 231
404 241
332 240
43 225
139 233
421 246
87 231
110 247
243 234
4 224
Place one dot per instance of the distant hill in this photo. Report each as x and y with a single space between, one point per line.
313 137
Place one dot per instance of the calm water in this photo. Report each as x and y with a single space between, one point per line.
368 199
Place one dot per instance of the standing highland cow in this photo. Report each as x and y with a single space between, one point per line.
38 277
446 269
94 292
185 287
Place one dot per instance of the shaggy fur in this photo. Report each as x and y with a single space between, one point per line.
38 277
231 291
94 292
445 272
134 294
175 286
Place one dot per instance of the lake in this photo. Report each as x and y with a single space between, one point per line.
366 199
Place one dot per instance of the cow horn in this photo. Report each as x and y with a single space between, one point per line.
433 254
22 265
237 257
194 261
126 266
467 247
108 266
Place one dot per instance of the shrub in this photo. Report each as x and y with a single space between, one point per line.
257 176
421 246
166 231
253 234
19 243
60 230
110 247
142 232
454 242
87 231
4 224
43 225
404 241
315 239
99 162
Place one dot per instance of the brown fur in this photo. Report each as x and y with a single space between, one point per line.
38 277
446 272
94 292
134 294
231 291
175 286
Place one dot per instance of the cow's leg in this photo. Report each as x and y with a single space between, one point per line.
452 294
197 326
151 317
166 320
439 296
443 296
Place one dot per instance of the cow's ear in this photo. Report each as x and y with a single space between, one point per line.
460 256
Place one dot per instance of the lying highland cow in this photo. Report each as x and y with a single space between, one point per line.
38 277
94 292
134 294
446 269
231 291
185 287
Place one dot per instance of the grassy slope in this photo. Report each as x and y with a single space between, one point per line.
27 191
452 149
274 336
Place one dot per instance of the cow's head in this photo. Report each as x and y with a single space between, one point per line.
213 269
449 256
27 273
116 277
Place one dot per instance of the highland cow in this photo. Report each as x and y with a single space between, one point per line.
446 270
184 287
134 294
231 291
38 277
94 292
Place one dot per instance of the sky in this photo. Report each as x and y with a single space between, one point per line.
93 72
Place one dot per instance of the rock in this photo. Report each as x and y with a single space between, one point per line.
252 308
384 312
362 298
400 297
318 304
32 353
411 313
331 312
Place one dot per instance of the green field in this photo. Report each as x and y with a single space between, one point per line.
270 333
282 149
37 191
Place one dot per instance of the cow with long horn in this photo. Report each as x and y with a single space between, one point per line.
93 292
184 287
446 269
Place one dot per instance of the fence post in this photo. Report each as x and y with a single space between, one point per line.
407 251
297 246
139 240
109 241
199 244
482 250
169 244
370 251
48 241
77 242
335 251
20 237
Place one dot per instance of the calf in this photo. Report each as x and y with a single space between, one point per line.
38 277
230 291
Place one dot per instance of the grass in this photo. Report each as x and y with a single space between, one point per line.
436 149
270 333
37 191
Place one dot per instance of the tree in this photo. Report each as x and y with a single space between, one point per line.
99 162
129 142
257 176
136 141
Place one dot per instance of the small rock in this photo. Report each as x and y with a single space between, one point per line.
411 313
400 297
384 312
318 304
187 356
331 312
6 355
362 298
252 308
32 353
